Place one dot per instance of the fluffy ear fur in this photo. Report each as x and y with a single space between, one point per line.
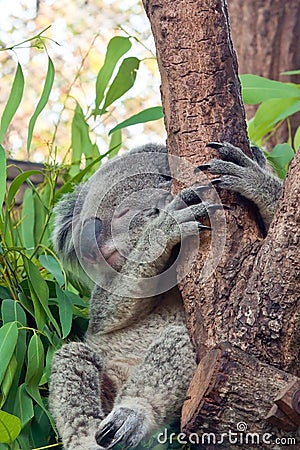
67 216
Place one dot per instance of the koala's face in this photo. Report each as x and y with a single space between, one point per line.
119 200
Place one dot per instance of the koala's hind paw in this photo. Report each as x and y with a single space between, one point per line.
122 425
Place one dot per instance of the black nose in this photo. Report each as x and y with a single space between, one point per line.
89 239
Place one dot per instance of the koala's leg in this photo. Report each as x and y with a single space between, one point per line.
74 397
154 394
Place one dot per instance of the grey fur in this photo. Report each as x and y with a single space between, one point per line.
248 177
130 375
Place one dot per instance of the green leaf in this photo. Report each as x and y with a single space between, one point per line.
10 427
147 115
291 72
49 356
53 266
23 405
34 393
39 294
123 81
35 361
4 293
80 140
280 157
65 312
12 311
115 143
8 340
269 113
13 102
256 89
2 174
40 427
17 182
43 100
297 139
8 379
27 220
116 48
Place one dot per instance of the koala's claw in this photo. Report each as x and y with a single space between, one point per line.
122 425
216 181
201 167
215 145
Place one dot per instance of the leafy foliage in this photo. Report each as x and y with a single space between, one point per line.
278 102
40 307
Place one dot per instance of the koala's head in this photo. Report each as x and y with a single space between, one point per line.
118 202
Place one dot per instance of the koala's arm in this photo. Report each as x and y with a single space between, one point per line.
133 293
247 177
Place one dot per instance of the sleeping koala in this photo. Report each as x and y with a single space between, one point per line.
130 375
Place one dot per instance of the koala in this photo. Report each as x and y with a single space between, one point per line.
130 375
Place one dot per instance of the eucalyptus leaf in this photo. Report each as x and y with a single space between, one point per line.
17 183
8 340
115 143
280 157
53 266
35 361
297 139
147 115
256 89
116 48
65 311
123 81
10 427
13 102
23 405
2 174
43 100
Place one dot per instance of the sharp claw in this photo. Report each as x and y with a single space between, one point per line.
205 187
203 227
216 181
103 433
114 442
215 145
201 167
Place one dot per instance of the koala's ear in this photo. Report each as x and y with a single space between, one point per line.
67 213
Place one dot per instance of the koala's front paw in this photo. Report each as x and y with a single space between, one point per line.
122 425
245 176
187 210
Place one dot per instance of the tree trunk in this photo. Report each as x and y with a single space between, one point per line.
266 37
239 302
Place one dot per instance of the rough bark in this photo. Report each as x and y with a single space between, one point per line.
247 300
202 102
267 317
229 397
266 37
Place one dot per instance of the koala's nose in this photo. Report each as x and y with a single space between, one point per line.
89 239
